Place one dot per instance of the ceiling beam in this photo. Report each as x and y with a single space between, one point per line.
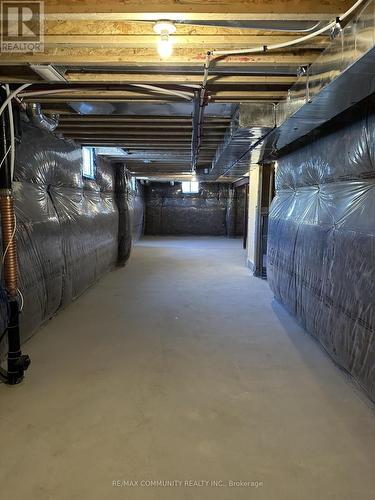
207 42
93 127
156 133
122 119
111 97
136 139
193 9
142 145
135 120
100 27
128 78
144 137
141 119
183 56
142 140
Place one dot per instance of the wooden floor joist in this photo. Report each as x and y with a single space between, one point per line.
162 78
210 42
103 48
194 9
136 56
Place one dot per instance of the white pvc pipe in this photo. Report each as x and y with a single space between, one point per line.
13 94
37 93
352 9
256 50
184 95
296 41
266 48
302 38
11 130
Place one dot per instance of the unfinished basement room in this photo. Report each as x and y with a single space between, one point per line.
187 245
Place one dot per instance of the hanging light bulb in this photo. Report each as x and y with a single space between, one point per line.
165 48
165 44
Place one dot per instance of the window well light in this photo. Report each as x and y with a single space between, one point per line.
164 45
190 187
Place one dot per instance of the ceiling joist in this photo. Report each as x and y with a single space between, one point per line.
103 48
137 56
193 9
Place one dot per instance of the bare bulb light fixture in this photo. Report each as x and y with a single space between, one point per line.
165 45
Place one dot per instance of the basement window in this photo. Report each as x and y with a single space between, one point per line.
190 187
88 162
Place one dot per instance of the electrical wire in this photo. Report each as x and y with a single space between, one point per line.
9 242
22 299
6 154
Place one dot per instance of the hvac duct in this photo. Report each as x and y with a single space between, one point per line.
34 112
341 77
250 124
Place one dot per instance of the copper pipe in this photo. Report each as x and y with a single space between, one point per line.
9 243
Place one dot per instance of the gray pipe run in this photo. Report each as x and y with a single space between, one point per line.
36 116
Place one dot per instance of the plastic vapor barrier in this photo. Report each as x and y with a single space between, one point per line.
230 216
136 206
321 247
170 212
240 210
67 226
125 230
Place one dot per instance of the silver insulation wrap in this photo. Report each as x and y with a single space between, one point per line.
321 246
68 227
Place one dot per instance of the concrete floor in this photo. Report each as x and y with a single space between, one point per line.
180 367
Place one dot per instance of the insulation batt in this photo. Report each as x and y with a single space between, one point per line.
321 246
211 212
67 226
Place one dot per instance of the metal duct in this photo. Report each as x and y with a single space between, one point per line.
250 124
148 109
342 76
36 116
